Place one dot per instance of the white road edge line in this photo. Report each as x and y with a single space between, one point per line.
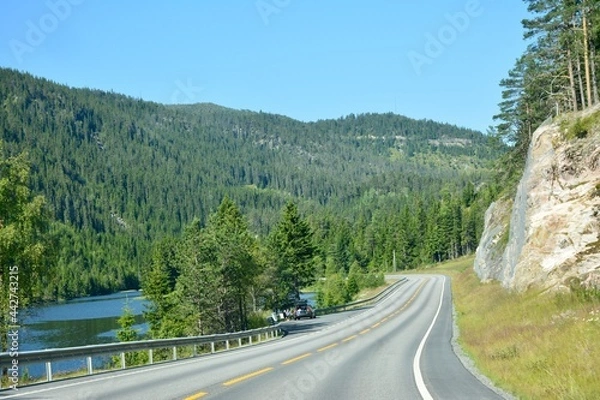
417 360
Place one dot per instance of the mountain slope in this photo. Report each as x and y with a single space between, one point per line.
121 173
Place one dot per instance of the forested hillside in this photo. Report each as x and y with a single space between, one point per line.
120 174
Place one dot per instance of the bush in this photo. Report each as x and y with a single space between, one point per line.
582 127
258 319
333 292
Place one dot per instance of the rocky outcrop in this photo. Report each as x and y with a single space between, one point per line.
550 232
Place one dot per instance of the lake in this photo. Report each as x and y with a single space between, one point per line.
78 322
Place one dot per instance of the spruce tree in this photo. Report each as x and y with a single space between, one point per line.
294 251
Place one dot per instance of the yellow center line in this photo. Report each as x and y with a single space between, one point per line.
196 396
247 376
365 331
296 359
413 296
376 325
350 338
327 347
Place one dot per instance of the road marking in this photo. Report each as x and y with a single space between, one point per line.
196 396
365 331
417 360
247 376
296 359
376 325
414 295
327 347
350 338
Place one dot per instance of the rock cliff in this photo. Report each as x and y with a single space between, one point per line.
548 235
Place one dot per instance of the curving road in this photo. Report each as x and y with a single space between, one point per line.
399 349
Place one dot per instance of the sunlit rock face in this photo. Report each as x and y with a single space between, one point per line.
554 225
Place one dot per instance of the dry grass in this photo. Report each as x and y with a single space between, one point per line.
536 345
372 292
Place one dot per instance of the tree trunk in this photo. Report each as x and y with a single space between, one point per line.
580 79
572 81
586 60
594 80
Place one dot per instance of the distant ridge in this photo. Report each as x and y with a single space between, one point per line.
120 173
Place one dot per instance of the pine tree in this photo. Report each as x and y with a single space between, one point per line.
159 284
127 333
235 249
293 252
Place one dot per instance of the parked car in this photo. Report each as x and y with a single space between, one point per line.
304 310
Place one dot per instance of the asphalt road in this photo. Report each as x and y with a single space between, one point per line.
398 349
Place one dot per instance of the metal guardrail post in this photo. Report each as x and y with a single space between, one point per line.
150 356
174 353
212 347
89 365
123 366
49 371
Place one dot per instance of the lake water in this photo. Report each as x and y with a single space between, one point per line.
78 322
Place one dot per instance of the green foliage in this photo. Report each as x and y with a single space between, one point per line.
184 200
126 321
582 127
293 252
583 293
556 74
26 257
258 319
373 280
127 333
202 283
337 288
355 281
333 291
234 251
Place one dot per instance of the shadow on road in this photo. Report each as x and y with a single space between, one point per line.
302 326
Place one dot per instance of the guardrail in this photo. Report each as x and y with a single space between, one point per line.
360 303
88 352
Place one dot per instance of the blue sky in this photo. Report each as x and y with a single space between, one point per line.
307 59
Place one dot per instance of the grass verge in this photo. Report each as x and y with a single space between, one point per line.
536 345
